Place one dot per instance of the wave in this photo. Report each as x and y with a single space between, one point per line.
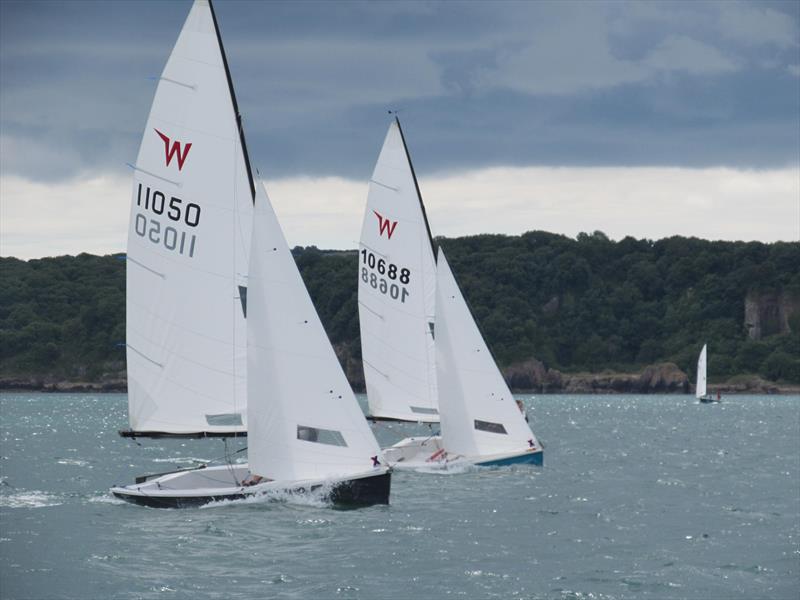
30 499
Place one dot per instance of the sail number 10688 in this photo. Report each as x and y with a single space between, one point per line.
385 277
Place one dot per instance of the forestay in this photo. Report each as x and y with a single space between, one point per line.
189 237
396 291
479 416
700 389
303 419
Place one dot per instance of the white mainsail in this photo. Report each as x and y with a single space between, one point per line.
303 419
396 291
188 244
700 388
479 416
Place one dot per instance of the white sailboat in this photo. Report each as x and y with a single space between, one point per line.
189 345
305 433
700 390
396 291
481 423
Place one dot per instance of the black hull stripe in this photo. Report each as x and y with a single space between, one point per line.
396 420
127 433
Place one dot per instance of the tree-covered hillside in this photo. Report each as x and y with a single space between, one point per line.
584 304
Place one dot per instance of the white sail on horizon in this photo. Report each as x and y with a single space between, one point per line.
396 291
702 367
188 244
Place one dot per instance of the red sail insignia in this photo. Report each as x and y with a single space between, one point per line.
385 224
174 150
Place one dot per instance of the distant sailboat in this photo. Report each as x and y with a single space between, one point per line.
396 291
480 421
700 388
189 346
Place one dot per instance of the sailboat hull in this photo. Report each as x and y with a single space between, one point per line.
528 458
198 487
707 400
428 453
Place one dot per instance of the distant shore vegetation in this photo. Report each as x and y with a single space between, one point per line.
588 304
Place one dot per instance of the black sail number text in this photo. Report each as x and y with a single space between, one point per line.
385 277
173 237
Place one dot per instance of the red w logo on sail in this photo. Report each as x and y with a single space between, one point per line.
385 224
174 150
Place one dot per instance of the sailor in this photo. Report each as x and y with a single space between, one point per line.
252 479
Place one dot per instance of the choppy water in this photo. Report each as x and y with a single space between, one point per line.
640 497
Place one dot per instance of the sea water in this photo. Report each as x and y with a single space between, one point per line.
640 497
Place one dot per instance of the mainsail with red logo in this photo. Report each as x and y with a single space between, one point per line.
188 246
397 291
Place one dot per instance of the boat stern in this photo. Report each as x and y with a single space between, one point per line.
363 491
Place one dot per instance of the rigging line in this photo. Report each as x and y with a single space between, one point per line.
227 454
229 460
235 306
146 172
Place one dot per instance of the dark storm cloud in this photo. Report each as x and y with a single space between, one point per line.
686 84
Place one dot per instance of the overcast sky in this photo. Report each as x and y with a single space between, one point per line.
646 119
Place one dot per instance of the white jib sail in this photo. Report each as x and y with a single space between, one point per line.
396 291
303 419
479 416
188 241
700 389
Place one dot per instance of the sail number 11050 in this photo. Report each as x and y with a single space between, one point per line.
385 277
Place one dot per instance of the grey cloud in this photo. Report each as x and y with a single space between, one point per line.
478 83
680 53
759 25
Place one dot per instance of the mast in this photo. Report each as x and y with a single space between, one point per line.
416 185
239 126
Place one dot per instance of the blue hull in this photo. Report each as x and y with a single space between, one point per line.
529 458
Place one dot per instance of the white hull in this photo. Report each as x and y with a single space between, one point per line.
427 453
224 482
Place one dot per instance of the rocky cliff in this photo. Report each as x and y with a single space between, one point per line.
532 376
769 312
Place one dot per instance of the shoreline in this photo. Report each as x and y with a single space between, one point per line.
579 383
